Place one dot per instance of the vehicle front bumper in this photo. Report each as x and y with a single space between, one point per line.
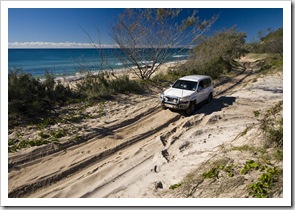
180 105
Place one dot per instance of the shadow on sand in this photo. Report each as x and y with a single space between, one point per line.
217 104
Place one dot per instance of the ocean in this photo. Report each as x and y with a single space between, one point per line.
71 62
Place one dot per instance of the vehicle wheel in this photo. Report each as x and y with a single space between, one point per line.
164 107
190 109
210 97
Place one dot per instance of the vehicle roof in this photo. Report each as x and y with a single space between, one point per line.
194 78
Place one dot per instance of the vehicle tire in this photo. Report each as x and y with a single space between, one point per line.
190 110
210 97
164 107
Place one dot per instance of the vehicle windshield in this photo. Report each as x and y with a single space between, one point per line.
185 85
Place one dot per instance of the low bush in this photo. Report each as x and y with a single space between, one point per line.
31 100
271 64
101 86
174 186
123 84
272 126
264 187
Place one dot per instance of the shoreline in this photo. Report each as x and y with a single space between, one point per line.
79 76
74 64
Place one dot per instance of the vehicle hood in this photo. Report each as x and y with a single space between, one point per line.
179 93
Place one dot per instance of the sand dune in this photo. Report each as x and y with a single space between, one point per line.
136 144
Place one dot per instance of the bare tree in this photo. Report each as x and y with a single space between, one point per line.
146 35
104 67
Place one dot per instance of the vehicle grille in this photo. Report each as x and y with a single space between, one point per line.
171 100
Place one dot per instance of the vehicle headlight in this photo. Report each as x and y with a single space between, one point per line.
184 99
162 96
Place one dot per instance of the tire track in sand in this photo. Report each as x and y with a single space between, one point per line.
29 188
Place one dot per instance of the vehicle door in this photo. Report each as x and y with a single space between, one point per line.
201 92
207 88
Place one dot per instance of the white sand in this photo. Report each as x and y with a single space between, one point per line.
131 171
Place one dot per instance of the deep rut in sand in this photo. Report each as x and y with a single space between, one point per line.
127 138
99 133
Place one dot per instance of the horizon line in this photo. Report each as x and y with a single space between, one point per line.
72 45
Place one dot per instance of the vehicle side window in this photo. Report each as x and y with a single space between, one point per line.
195 86
207 83
201 85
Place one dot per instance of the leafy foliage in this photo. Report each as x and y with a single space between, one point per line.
101 86
272 42
31 100
174 186
256 113
211 174
14 146
272 126
272 63
249 165
213 55
263 187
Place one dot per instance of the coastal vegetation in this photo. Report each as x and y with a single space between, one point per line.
269 41
30 99
215 55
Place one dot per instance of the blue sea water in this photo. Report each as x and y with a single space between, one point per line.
67 62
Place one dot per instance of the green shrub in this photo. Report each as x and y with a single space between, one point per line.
26 95
174 186
272 126
30 99
271 64
123 84
26 143
211 174
45 122
262 188
248 166
58 134
256 113
100 86
214 55
43 135
270 42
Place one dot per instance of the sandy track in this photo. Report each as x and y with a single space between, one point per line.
140 144
47 170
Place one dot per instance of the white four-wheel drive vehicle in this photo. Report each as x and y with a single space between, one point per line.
187 92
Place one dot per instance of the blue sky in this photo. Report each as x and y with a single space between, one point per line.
43 27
